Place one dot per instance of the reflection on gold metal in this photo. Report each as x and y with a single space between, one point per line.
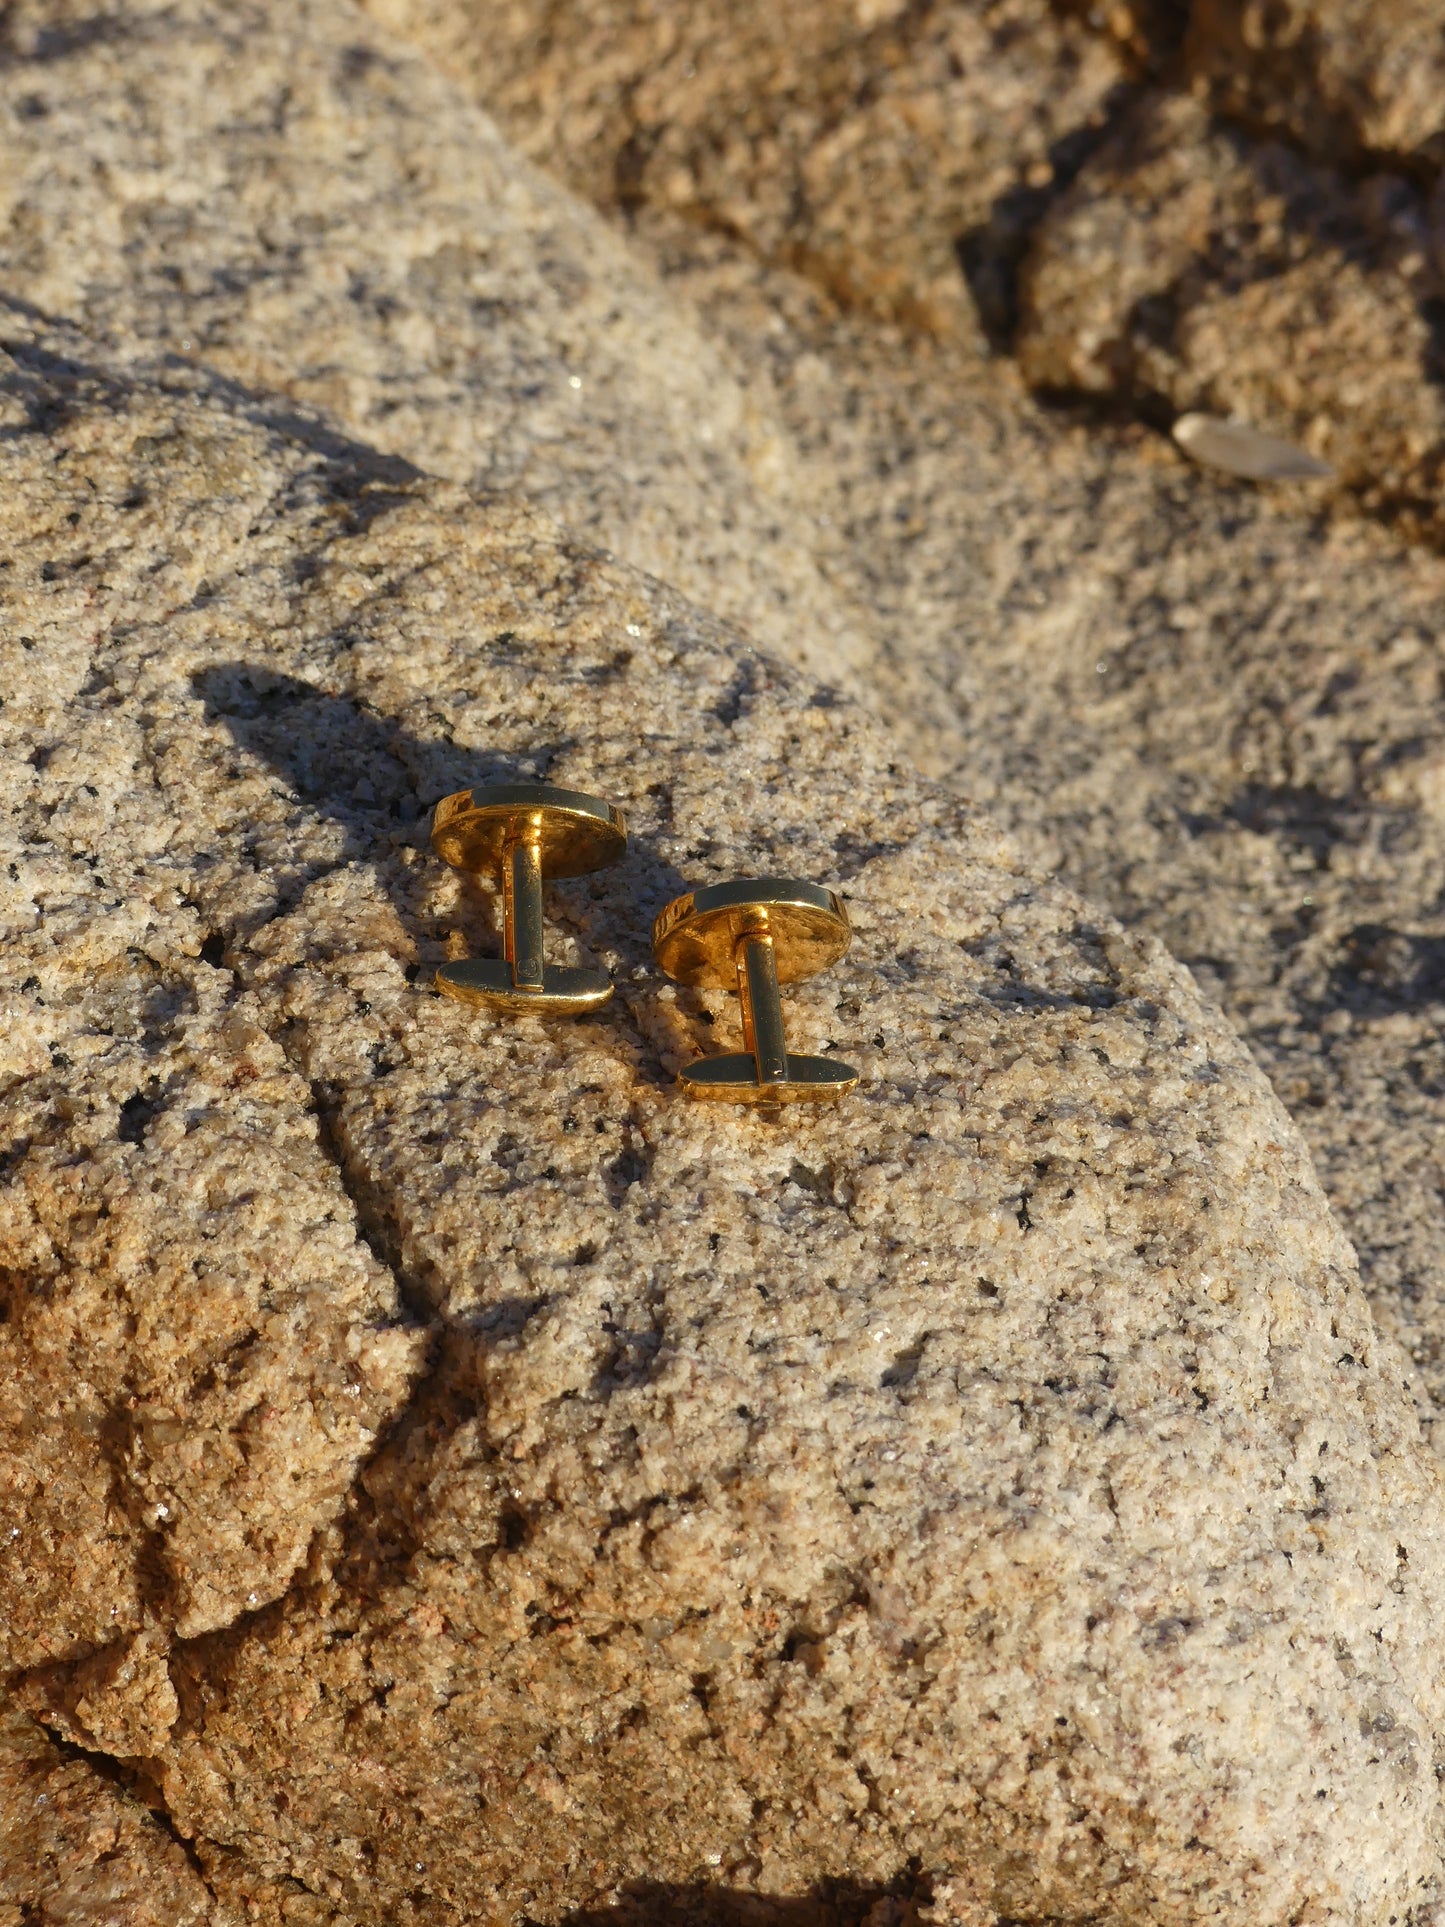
524 832
756 934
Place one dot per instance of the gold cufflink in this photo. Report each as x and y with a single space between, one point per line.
756 933
526 831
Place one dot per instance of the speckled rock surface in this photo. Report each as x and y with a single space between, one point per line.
229 1089
862 144
296 198
997 1479
78 1851
972 559
1348 79
1192 267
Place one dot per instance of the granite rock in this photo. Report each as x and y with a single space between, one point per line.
1190 267
1349 80
302 202
1069 607
997 1479
1218 719
995 558
76 1850
866 145
180 1258
271 615
1052 603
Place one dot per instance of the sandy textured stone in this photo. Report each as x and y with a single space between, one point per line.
78 1851
861 143
991 558
120 1700
177 1250
1211 780
1348 79
293 196
998 1478
1190 267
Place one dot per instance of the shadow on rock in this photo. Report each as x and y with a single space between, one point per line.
345 761
833 1904
340 756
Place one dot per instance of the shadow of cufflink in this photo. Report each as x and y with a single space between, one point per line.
523 833
753 935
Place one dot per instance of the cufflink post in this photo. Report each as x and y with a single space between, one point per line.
753 935
522 833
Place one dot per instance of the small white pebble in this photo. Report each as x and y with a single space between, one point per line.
252 1597
163 1512
1237 449
574 381
634 628
1101 668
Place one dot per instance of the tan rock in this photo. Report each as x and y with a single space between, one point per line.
1222 722
994 559
299 200
859 143
998 1476
78 1851
177 1245
120 1700
1191 268
1207 778
1346 78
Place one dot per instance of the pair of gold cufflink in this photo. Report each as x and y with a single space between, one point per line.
752 935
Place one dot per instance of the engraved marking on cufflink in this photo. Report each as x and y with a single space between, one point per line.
523 832
753 935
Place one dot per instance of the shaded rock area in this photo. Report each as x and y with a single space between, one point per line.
863 144
915 161
1350 80
75 1846
1190 267
993 1488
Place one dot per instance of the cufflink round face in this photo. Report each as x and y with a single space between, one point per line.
695 939
752 935
521 833
574 833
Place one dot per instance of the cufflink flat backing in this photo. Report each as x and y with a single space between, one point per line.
753 935
525 832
